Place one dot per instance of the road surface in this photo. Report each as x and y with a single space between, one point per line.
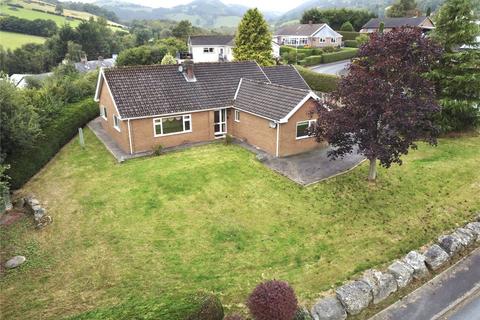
335 68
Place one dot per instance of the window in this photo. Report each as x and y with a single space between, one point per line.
303 41
207 50
302 127
237 116
103 112
116 122
321 39
172 125
334 40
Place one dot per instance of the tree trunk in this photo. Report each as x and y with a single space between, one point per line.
372 173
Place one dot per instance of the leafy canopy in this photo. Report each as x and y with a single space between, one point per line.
335 18
253 40
402 8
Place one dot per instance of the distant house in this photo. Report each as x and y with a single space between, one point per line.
143 107
85 66
391 23
217 48
308 35
21 80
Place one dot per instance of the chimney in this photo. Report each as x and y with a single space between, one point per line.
310 22
188 71
83 59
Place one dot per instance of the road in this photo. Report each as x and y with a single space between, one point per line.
335 68
452 295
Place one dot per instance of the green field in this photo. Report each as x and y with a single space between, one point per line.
12 40
214 218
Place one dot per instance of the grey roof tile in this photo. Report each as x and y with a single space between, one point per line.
394 22
286 75
299 29
212 40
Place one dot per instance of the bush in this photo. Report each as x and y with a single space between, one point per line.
347 26
338 56
272 300
234 317
158 150
302 314
351 43
319 81
27 162
349 35
228 139
312 60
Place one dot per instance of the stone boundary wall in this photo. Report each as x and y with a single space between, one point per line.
375 286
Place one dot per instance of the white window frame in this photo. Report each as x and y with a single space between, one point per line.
208 50
303 122
116 122
237 116
322 40
185 118
103 112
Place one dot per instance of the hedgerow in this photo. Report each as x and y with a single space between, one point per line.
319 81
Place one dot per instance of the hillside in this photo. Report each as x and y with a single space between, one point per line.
12 40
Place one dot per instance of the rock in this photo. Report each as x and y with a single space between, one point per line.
355 296
328 308
261 157
435 257
478 217
417 262
33 202
38 214
466 236
402 273
382 284
19 203
15 262
302 314
450 244
475 228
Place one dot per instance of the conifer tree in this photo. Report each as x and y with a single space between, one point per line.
168 59
253 40
457 77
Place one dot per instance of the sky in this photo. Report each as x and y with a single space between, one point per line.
270 5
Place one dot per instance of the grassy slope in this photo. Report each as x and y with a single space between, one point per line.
32 15
212 217
12 40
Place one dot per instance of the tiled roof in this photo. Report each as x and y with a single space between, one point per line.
142 91
211 40
268 100
299 29
286 75
93 65
394 22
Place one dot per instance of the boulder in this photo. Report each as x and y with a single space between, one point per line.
328 308
15 262
435 257
38 214
33 202
19 203
382 284
466 236
451 244
417 262
261 157
355 296
475 228
402 273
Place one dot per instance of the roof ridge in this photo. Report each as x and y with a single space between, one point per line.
278 85
166 66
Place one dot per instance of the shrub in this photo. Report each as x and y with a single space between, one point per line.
158 150
205 307
228 139
349 35
361 39
28 161
347 26
312 60
234 317
272 300
302 314
319 81
338 56
351 43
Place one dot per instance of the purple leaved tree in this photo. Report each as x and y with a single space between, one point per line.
385 104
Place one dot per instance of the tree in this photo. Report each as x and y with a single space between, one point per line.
429 12
386 102
74 52
457 77
402 8
381 27
168 59
253 40
59 8
336 17
143 55
347 26
182 30
362 38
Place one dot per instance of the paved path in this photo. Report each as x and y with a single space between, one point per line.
452 295
335 68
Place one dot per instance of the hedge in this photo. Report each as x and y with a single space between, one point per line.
349 35
25 163
319 81
311 61
351 43
345 54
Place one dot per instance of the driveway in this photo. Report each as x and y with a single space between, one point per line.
335 68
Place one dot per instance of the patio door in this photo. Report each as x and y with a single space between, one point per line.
220 122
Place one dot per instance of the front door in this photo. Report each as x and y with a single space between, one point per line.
220 122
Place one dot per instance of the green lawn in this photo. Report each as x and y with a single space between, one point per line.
12 40
214 218
32 15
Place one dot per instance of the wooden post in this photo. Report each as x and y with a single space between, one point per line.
80 135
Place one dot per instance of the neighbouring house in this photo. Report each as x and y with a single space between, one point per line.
21 80
217 48
308 35
423 22
91 65
143 107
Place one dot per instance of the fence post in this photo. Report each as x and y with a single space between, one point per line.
80 135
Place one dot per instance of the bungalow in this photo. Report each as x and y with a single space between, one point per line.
142 107
308 35
217 48
391 23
